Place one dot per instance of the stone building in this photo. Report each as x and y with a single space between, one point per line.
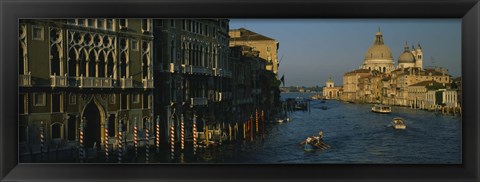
330 91
381 83
402 78
411 58
251 88
83 75
350 84
378 56
266 46
193 71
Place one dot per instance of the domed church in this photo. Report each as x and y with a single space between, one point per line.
413 58
378 56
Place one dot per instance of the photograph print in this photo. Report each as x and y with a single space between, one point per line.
235 91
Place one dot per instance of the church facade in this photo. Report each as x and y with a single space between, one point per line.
378 80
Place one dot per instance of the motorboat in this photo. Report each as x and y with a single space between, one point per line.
398 124
380 108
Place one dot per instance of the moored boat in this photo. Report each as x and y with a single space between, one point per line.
398 124
380 108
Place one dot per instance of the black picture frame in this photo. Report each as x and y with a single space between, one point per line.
11 11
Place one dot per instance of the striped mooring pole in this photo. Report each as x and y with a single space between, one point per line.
81 138
172 139
106 141
42 141
182 132
120 140
147 138
194 132
135 137
157 134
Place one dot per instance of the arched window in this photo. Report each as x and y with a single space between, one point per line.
110 65
82 61
21 59
91 64
55 60
384 69
123 65
101 65
72 63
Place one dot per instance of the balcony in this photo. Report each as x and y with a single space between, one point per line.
94 82
126 82
174 68
222 96
218 96
198 101
147 83
58 81
185 69
25 80
221 72
199 70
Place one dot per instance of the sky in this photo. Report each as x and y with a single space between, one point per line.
312 50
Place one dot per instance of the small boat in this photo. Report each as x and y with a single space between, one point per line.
398 124
279 120
379 108
314 142
324 107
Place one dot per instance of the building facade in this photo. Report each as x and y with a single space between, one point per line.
267 47
330 91
82 81
378 56
194 72
410 84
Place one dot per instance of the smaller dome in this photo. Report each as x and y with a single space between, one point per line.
406 57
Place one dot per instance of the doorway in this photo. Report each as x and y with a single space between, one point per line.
93 120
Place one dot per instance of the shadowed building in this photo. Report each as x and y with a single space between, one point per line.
85 75
194 74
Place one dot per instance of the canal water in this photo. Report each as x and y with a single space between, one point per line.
355 134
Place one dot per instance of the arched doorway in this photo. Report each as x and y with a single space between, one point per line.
93 121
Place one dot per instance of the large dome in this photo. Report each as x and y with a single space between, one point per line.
378 50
